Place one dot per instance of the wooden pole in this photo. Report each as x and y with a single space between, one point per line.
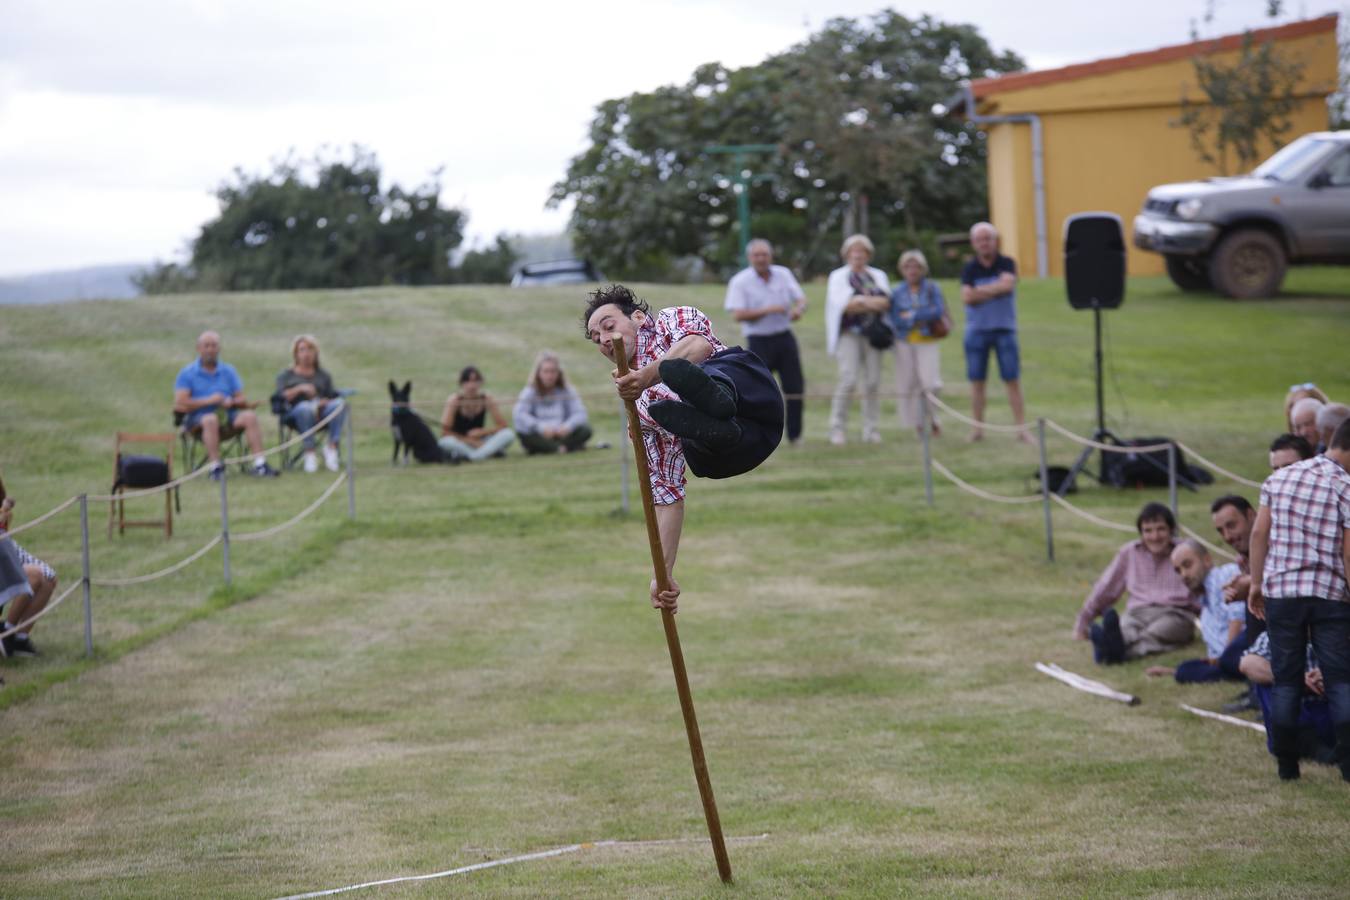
705 790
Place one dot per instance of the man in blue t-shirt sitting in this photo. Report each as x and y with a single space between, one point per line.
989 291
211 395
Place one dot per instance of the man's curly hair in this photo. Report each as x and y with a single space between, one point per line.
627 302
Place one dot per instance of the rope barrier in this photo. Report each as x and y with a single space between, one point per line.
1212 548
286 445
974 423
1217 469
1112 448
46 609
40 519
277 529
983 494
141 579
494 863
1084 514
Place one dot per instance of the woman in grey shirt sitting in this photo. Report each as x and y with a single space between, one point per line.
549 415
309 395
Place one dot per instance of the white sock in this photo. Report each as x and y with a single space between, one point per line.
259 462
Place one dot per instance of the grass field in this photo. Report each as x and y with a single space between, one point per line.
469 670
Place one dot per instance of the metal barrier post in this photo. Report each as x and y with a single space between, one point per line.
84 581
1172 477
1045 493
925 434
623 461
351 467
225 524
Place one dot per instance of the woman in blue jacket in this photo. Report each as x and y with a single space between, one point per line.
916 306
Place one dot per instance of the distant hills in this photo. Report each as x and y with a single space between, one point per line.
111 282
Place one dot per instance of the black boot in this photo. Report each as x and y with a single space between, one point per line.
1284 744
1343 750
698 388
1113 642
683 420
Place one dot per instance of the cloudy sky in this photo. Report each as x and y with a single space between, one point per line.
118 119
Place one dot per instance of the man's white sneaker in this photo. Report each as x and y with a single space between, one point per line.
311 462
330 458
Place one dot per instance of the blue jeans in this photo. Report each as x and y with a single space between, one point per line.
1291 623
1003 341
305 414
496 443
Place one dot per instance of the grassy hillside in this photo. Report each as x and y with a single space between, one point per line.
469 670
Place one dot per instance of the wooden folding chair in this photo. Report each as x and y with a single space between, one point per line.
135 472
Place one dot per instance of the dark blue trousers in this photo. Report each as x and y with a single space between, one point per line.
1291 623
759 412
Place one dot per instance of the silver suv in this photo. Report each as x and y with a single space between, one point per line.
1238 235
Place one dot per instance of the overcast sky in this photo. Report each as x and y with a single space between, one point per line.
118 119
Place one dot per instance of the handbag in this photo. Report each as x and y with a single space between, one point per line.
878 332
942 326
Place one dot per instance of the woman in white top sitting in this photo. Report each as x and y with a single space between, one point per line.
549 416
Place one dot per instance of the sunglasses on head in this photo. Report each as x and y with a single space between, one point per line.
1305 386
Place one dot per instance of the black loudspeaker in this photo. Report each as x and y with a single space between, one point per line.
1094 260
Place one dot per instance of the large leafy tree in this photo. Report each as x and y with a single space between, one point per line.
854 113
322 223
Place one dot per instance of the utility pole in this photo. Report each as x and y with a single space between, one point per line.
742 181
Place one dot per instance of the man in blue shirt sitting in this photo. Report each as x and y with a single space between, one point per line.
211 395
989 291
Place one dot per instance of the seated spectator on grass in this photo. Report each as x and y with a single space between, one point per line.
1221 620
549 416
1288 449
1296 393
1303 419
310 396
26 586
1329 418
1316 736
1160 613
464 432
211 394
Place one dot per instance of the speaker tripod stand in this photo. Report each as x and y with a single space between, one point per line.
1102 434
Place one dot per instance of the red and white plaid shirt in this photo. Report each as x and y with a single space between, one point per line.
655 337
1309 505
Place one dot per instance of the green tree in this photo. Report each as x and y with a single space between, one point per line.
490 265
1246 106
324 223
860 144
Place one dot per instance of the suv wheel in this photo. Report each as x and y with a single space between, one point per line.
1190 273
1247 264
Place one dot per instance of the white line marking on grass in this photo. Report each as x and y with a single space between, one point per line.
493 863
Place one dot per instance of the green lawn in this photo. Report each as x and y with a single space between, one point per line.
469 670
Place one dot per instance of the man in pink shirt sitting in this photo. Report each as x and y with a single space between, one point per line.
1160 613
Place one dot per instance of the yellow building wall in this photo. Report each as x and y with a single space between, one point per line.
1109 139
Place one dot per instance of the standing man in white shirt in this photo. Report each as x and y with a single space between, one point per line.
766 300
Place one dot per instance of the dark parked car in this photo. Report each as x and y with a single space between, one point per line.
1237 235
559 271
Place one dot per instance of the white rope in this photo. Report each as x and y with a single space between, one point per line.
1096 520
46 609
1217 469
1212 548
286 445
157 489
277 529
974 423
1113 448
1220 717
40 519
983 494
492 864
1087 685
141 579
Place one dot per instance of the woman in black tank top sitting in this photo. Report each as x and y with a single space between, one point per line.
464 431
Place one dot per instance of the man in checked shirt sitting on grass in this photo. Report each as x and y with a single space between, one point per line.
715 407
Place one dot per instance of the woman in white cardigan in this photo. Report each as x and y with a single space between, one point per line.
854 292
